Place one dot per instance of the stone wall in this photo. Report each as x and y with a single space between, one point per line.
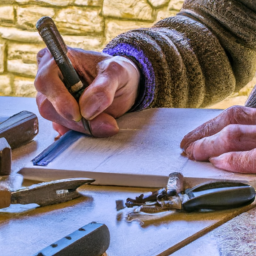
87 24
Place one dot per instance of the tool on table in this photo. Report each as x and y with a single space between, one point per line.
56 45
19 128
5 157
16 131
217 195
46 193
92 239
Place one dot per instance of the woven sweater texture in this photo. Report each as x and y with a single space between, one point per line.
196 58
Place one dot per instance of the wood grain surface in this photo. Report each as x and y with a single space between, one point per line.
25 232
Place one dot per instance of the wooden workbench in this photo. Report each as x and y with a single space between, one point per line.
28 232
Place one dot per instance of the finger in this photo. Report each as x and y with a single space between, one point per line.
48 112
43 56
112 76
103 125
87 70
241 162
231 138
233 115
48 82
60 128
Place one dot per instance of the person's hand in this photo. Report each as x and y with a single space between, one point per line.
228 141
112 91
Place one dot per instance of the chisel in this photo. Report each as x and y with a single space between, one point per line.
56 45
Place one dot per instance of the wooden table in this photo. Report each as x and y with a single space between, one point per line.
30 231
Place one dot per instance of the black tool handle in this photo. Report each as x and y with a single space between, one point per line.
219 196
55 43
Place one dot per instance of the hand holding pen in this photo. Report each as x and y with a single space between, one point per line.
113 85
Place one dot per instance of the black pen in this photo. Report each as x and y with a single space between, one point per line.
56 45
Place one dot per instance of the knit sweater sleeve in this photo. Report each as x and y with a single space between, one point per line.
196 58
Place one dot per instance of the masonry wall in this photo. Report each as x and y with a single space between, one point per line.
87 24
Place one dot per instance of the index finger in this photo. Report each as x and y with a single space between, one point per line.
48 82
232 115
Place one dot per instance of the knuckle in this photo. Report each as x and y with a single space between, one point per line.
114 66
231 134
38 82
103 94
41 107
238 115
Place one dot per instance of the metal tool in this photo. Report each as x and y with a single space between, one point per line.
92 239
46 193
217 195
19 128
5 157
56 45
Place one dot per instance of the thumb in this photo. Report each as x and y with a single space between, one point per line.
104 125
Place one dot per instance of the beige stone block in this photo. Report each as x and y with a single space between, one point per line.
24 87
77 20
56 2
84 42
5 85
89 2
175 5
20 35
165 13
18 67
2 57
7 1
158 3
6 14
115 27
129 9
46 2
26 52
23 1
28 16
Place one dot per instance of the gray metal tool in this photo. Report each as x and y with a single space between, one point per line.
216 195
90 240
45 193
56 45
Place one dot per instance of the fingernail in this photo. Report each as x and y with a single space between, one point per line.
183 153
41 53
215 160
189 152
77 119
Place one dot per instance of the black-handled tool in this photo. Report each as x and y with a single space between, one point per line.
218 195
92 239
215 195
56 45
